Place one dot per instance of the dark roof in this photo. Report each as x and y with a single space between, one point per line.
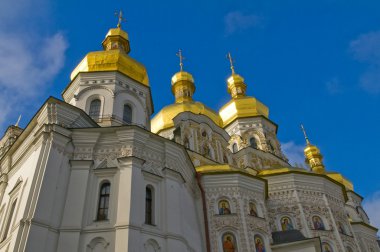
287 236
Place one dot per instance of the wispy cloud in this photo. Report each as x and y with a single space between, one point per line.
372 206
28 63
237 21
366 49
334 86
294 153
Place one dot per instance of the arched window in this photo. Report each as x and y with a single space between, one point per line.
252 142
104 198
341 228
286 224
252 209
149 205
95 108
224 207
127 114
229 242
9 221
259 243
326 247
318 223
186 142
234 148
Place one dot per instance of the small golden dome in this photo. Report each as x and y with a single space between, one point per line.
242 107
117 32
164 119
182 76
313 156
114 57
235 78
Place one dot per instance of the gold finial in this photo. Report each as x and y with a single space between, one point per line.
120 18
181 58
229 57
304 133
18 121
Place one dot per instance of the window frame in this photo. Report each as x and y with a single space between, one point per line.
151 217
107 197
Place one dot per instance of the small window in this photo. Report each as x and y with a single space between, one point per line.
234 148
286 224
259 244
229 242
127 114
9 220
104 198
95 108
326 247
186 142
341 228
252 209
318 223
224 207
148 206
252 142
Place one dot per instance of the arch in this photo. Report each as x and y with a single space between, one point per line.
318 223
98 244
259 243
149 205
80 93
286 223
234 148
341 228
152 245
326 247
229 242
186 142
253 142
224 207
9 220
127 113
252 209
103 203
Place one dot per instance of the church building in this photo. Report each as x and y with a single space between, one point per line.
94 171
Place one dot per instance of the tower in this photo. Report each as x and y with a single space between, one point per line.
110 86
246 119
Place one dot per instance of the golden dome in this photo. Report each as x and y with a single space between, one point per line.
313 156
164 119
114 57
117 32
242 107
182 76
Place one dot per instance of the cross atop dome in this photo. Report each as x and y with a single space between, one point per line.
181 58
120 18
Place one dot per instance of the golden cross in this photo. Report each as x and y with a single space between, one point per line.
120 17
304 133
181 58
229 57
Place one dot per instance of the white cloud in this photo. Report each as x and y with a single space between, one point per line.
294 153
366 49
28 63
237 21
372 205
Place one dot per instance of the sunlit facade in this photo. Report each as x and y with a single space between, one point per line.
96 172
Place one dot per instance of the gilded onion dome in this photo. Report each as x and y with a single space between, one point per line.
114 57
183 89
313 156
240 105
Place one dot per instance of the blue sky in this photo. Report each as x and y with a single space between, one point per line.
311 62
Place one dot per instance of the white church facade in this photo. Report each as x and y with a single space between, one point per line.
94 172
